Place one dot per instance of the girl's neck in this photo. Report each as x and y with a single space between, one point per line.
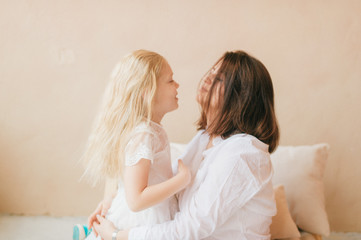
157 118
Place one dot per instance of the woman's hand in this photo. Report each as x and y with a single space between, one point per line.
105 228
102 209
184 173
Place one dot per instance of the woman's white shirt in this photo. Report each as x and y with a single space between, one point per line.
230 195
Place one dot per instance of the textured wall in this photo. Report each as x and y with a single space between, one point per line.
56 56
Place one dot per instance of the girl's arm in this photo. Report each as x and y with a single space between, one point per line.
141 196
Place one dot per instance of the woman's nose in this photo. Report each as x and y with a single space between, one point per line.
208 79
176 85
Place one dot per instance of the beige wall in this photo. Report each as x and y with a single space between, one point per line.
56 56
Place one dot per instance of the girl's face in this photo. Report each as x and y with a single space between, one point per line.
205 86
165 98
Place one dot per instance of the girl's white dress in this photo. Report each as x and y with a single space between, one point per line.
148 142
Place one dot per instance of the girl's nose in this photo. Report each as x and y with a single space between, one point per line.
177 85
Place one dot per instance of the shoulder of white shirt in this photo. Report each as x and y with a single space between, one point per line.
244 141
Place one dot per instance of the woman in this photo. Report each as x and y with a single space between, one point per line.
230 195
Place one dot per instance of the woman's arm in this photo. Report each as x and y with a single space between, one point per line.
228 185
141 196
229 181
106 228
211 205
217 198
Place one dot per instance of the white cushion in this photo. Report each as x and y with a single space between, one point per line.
300 169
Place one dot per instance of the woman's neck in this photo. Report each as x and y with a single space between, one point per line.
210 119
210 142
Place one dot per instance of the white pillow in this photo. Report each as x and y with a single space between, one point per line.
282 225
300 169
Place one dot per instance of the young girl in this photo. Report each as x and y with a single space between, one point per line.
129 146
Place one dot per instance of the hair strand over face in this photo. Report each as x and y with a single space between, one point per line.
247 105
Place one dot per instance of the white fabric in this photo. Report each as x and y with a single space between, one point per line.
140 146
149 142
230 195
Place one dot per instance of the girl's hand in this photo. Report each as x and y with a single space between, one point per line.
184 173
102 210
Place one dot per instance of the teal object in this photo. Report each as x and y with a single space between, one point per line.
80 232
86 230
76 233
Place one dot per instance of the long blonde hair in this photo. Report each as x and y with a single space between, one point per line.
127 102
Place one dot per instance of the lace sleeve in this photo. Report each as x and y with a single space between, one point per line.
140 146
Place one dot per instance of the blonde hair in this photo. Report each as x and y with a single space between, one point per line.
127 102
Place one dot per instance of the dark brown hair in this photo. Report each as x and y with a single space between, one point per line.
247 105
